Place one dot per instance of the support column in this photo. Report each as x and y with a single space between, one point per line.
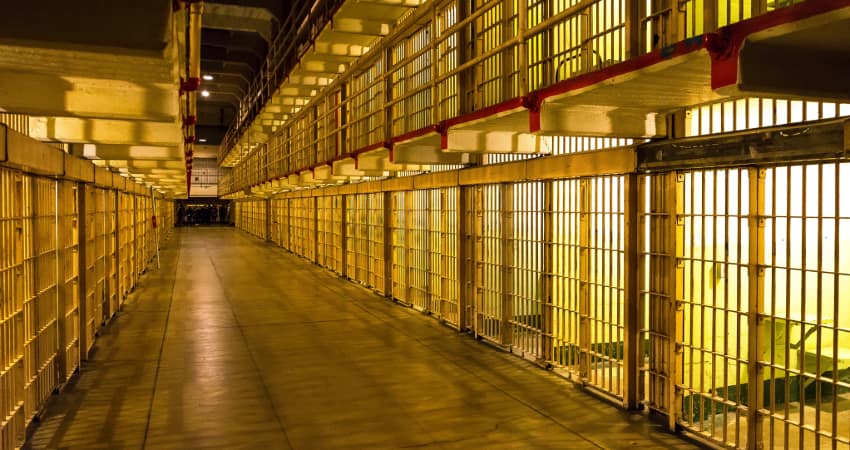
584 278
547 288
507 262
314 226
388 243
674 323
61 297
631 290
82 232
267 218
343 235
755 338
465 295
477 196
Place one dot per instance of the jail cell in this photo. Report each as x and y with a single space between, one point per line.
139 239
467 221
495 75
277 216
101 217
490 275
297 232
526 242
603 269
590 37
286 223
301 227
297 227
398 225
434 261
412 100
660 274
69 248
443 254
801 291
448 47
714 218
416 238
40 292
323 230
12 319
566 303
361 248
254 217
309 226
150 236
376 241
351 239
367 107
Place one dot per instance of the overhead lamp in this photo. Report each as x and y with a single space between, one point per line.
205 93
208 77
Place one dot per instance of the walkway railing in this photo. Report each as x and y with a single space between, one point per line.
450 59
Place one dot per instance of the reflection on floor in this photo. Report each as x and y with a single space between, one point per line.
234 343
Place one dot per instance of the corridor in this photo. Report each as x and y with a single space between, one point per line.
233 343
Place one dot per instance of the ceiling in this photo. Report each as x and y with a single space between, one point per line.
107 80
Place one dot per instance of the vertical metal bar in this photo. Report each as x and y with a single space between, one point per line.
675 289
508 61
81 270
61 300
344 236
507 262
388 243
266 220
755 422
632 314
547 327
584 280
464 252
522 25
313 204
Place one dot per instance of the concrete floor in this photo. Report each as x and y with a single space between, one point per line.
234 343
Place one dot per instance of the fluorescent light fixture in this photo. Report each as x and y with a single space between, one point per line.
208 77
205 93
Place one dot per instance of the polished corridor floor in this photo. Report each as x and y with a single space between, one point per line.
234 343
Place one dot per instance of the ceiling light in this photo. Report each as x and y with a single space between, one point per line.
208 77
205 93
202 140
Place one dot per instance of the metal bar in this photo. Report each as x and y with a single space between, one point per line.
584 307
674 190
507 262
808 142
755 394
84 251
632 353
547 327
